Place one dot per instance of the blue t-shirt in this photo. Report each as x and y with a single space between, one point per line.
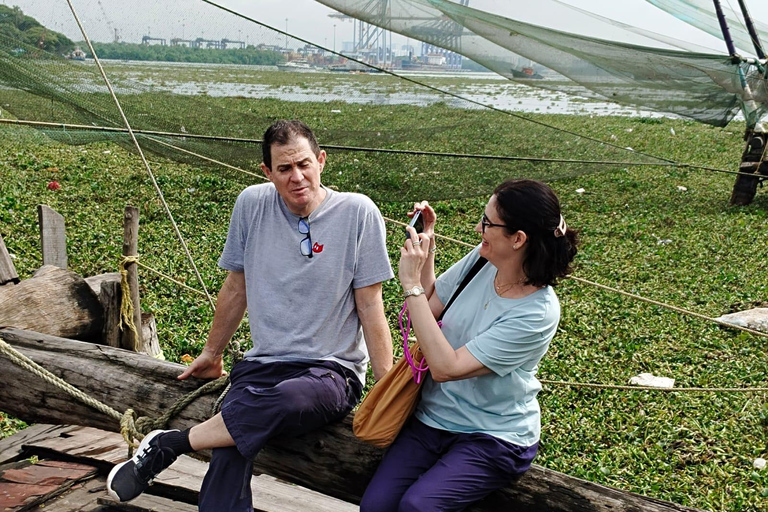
302 308
508 336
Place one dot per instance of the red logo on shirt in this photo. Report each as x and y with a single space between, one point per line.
317 247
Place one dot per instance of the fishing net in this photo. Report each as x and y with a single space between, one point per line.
211 113
706 87
701 15
214 111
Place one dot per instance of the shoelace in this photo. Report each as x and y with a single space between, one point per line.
417 371
151 462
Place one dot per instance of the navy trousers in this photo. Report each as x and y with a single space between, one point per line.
431 470
286 398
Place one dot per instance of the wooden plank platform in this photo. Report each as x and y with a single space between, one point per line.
73 462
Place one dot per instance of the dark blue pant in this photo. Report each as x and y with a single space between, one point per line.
286 398
428 469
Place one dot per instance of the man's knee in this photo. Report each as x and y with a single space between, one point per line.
377 500
416 502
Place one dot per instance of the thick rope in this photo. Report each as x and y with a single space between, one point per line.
23 361
131 426
126 304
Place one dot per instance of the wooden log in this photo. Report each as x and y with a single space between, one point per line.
52 236
330 460
132 340
54 301
97 281
111 298
150 337
7 270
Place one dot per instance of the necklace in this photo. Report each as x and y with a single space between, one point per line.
501 289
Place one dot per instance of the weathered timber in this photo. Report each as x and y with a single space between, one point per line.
330 460
84 498
149 336
111 298
7 270
11 448
53 236
54 301
25 486
181 482
132 340
98 281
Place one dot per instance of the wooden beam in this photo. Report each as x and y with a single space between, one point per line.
7 270
132 340
52 236
330 460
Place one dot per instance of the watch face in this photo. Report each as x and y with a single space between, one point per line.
415 291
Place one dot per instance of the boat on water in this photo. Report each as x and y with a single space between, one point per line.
526 72
352 67
77 54
300 66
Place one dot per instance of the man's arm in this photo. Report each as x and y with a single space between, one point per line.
378 338
230 308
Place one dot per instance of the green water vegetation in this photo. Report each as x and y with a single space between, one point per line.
662 232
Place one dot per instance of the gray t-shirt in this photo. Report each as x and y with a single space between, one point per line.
303 308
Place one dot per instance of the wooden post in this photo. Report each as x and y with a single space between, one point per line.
52 236
7 270
111 297
132 340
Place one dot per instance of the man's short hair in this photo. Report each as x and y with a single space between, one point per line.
283 132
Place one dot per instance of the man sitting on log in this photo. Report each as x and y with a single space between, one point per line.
308 263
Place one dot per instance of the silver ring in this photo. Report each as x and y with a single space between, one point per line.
417 243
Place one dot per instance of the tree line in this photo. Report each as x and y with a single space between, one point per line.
132 51
15 26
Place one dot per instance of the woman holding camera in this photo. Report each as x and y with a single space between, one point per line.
477 424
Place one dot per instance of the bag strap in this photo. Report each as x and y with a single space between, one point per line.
480 263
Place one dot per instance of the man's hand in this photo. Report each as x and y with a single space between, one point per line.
205 366
230 309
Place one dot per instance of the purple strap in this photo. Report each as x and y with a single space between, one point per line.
418 371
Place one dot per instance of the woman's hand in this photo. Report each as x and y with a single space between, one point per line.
428 217
413 255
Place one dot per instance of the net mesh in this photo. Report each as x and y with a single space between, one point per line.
705 87
216 111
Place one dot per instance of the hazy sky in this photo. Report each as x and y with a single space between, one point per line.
309 19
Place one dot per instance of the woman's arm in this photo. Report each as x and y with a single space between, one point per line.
445 363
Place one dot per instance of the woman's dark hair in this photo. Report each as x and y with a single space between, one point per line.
532 207
283 132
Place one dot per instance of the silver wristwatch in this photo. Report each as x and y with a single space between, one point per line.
415 291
